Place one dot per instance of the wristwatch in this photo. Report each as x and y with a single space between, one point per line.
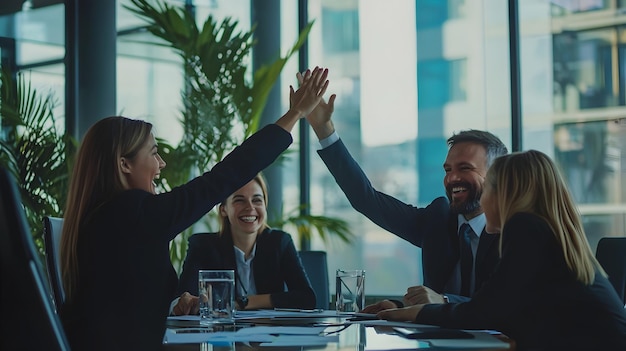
242 302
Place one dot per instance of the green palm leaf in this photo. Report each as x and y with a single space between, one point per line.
222 102
33 150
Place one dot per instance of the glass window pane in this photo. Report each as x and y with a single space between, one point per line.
566 7
376 117
584 69
150 77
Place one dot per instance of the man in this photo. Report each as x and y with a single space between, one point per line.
435 228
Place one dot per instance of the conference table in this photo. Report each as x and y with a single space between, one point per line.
321 330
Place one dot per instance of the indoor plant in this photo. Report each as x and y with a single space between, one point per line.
222 103
33 150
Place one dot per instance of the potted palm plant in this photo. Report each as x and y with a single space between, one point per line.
222 103
33 150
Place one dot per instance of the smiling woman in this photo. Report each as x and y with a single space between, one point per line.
142 166
265 260
117 230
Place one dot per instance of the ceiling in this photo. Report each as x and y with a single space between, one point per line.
8 7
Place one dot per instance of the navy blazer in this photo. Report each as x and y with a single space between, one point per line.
276 263
534 298
126 279
433 228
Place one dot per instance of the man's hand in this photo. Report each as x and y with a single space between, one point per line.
313 85
319 118
421 295
187 304
379 306
406 314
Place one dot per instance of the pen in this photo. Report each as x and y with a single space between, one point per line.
298 310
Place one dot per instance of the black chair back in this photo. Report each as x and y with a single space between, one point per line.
611 253
316 267
52 239
28 321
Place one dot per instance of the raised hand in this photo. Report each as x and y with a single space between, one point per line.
319 118
309 94
304 100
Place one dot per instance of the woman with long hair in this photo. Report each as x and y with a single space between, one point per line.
116 269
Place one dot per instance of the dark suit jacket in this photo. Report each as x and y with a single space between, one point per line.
126 280
433 228
534 298
276 263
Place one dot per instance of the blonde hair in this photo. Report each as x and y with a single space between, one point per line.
530 182
223 220
96 178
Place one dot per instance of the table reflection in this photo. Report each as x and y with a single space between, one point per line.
324 333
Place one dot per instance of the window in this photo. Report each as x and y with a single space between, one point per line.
441 81
340 29
585 69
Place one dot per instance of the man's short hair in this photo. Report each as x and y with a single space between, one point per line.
493 145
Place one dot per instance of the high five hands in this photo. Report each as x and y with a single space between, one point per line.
319 118
313 85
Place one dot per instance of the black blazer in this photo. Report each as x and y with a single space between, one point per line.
535 299
433 228
276 264
126 279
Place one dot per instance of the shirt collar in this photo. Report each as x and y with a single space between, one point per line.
477 223
240 255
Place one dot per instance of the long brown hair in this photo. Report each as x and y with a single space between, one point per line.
530 182
223 220
96 178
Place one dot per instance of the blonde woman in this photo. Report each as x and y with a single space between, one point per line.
116 269
549 292
268 270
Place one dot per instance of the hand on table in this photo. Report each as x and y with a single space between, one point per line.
379 306
420 294
405 314
187 304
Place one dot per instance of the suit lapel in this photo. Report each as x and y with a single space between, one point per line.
227 251
485 246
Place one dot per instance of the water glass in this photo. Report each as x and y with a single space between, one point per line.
216 289
350 290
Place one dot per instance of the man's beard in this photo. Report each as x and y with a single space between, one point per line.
470 206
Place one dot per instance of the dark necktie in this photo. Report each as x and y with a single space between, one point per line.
466 258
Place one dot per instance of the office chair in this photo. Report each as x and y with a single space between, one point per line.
52 239
316 267
611 253
28 320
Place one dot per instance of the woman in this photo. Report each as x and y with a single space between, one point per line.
265 260
116 270
548 292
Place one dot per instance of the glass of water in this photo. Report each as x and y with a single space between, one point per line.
350 290
216 289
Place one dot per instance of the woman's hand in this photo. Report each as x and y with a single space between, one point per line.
187 304
312 88
304 100
405 314
319 118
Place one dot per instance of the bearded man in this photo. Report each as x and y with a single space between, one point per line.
457 254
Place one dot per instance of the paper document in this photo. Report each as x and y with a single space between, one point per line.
301 340
251 334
